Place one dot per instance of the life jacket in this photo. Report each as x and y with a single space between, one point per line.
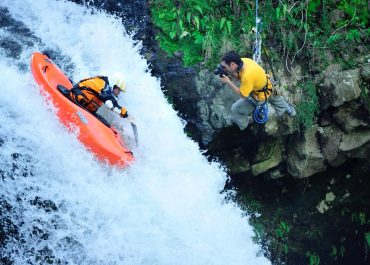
266 90
87 91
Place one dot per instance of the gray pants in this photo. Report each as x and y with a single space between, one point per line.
242 108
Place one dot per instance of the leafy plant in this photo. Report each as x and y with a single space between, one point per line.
367 237
309 107
314 258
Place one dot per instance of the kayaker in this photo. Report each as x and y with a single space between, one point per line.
92 92
253 79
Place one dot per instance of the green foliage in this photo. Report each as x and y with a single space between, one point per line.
186 132
308 108
335 251
342 250
367 237
282 230
361 216
170 101
299 26
314 258
258 231
187 25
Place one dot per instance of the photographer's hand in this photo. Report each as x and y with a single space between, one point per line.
224 79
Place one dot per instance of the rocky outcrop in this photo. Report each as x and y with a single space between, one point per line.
278 148
338 87
304 154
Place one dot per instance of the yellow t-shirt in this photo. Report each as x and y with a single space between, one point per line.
253 78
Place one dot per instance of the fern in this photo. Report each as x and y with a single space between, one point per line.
367 237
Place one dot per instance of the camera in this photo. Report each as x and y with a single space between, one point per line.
220 71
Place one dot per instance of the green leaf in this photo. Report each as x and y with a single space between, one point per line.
291 20
277 12
229 26
199 9
188 16
332 40
284 9
223 20
173 34
198 37
237 2
286 248
203 22
342 250
250 10
312 6
196 19
181 25
334 250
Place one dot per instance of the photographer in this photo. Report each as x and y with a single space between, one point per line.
255 88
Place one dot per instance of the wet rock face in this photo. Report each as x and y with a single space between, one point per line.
13 46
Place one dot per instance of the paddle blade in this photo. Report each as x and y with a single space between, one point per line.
134 128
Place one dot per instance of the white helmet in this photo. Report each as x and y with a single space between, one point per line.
117 79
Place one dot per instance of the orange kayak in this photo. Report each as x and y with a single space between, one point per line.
104 141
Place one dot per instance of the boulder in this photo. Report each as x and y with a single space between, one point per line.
349 116
269 155
275 173
365 73
237 162
277 126
339 87
361 153
304 155
354 140
330 139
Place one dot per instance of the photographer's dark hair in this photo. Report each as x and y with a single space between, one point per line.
231 56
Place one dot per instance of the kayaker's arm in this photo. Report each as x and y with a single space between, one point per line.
111 102
116 108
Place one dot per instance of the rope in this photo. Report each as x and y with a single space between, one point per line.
260 114
256 50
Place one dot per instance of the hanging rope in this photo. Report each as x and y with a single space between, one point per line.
260 113
256 50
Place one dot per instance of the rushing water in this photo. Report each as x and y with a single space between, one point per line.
60 205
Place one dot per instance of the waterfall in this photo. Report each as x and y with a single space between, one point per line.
58 203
